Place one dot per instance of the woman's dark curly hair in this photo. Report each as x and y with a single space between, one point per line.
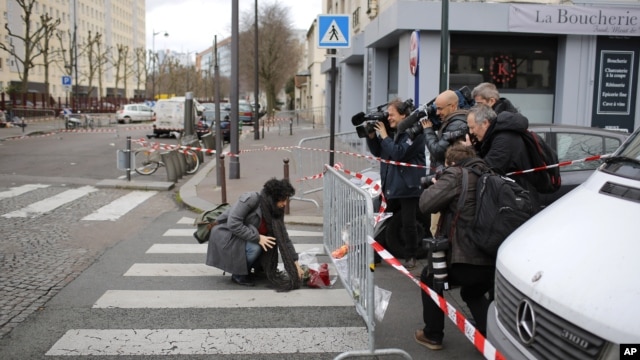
279 190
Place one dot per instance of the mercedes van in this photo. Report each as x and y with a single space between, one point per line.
568 280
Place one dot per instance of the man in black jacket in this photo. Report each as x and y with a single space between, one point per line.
499 143
487 93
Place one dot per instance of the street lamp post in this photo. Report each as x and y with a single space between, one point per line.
155 56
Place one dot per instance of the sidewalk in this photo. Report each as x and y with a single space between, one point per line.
257 164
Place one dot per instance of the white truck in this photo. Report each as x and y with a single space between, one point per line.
567 284
170 115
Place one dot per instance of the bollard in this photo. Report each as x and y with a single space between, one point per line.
195 143
177 164
166 159
182 163
290 126
286 176
209 142
223 183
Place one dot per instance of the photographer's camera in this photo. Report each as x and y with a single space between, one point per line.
438 247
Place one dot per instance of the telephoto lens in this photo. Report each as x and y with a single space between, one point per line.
438 262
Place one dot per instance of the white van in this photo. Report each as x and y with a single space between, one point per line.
568 280
170 116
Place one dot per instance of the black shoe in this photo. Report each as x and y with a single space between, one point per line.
242 280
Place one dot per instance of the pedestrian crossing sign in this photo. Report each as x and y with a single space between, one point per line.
334 31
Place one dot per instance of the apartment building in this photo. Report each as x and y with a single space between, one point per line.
121 25
568 62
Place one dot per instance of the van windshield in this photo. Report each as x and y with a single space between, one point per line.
626 160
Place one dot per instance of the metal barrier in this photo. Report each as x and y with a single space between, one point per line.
348 220
313 153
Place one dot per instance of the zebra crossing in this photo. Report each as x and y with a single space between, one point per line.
176 258
110 212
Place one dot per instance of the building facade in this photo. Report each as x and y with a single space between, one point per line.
121 25
565 62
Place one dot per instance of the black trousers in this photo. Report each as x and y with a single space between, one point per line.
475 282
404 211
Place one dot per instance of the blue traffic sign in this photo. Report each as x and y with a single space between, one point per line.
66 80
334 31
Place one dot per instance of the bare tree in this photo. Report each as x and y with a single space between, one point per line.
50 27
140 67
279 50
30 39
102 61
118 62
93 58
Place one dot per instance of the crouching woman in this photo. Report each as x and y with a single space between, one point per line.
251 233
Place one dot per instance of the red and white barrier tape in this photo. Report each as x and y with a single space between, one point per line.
479 341
560 164
375 187
317 176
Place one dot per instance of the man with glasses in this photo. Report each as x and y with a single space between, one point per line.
487 93
452 129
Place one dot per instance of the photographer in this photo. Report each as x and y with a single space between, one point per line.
468 267
400 184
487 93
453 128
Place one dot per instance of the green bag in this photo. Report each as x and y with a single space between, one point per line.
206 221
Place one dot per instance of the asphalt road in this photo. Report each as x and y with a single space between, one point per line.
74 287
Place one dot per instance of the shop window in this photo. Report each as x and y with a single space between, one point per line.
510 62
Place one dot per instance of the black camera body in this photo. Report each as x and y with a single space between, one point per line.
366 123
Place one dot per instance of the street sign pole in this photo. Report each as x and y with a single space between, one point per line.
334 32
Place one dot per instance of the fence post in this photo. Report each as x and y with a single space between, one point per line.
223 182
286 176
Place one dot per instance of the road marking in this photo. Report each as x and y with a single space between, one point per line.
190 299
51 203
171 269
202 248
292 233
115 209
157 342
186 220
19 190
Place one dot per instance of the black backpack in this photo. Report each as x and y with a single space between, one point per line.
541 154
501 207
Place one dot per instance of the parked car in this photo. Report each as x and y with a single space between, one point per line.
245 113
565 284
575 143
134 112
208 121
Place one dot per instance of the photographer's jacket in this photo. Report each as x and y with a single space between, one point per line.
454 127
400 181
443 197
503 149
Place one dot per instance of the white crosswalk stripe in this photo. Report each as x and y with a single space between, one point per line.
21 190
110 212
158 342
49 204
115 209
166 341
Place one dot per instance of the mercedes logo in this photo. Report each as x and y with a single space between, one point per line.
526 322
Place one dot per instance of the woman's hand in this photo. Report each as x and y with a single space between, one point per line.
267 242
300 271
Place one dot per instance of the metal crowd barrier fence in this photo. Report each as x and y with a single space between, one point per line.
348 220
313 153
